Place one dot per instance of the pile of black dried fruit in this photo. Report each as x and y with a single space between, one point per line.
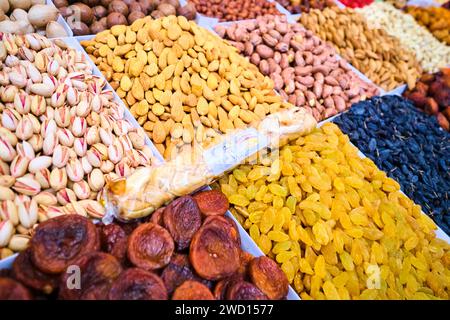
409 145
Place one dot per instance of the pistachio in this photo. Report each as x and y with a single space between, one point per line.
96 180
45 198
8 211
28 213
6 232
7 180
19 166
39 163
27 186
82 189
7 152
19 242
65 196
58 179
43 177
74 170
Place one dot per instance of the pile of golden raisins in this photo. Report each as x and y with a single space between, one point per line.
337 225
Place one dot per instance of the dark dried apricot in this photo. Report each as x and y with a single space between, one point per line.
97 270
150 246
97 292
114 240
243 290
182 218
212 202
221 288
192 290
157 216
59 241
177 271
227 224
13 290
214 253
269 277
25 271
138 284
245 259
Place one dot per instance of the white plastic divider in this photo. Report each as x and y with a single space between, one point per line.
61 19
439 232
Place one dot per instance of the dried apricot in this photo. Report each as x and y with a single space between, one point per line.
192 290
28 274
214 253
150 246
182 219
242 290
13 290
97 270
59 241
211 202
269 278
138 284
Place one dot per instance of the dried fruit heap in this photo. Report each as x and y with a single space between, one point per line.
432 94
338 226
147 260
181 82
436 19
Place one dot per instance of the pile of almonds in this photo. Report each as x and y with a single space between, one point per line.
378 55
306 71
432 94
62 137
183 84
231 10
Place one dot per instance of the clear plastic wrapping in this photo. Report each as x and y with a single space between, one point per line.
147 189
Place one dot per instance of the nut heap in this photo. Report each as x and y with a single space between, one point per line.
432 94
372 51
337 225
61 137
431 53
436 19
299 6
231 10
181 82
28 16
94 16
305 70
186 251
